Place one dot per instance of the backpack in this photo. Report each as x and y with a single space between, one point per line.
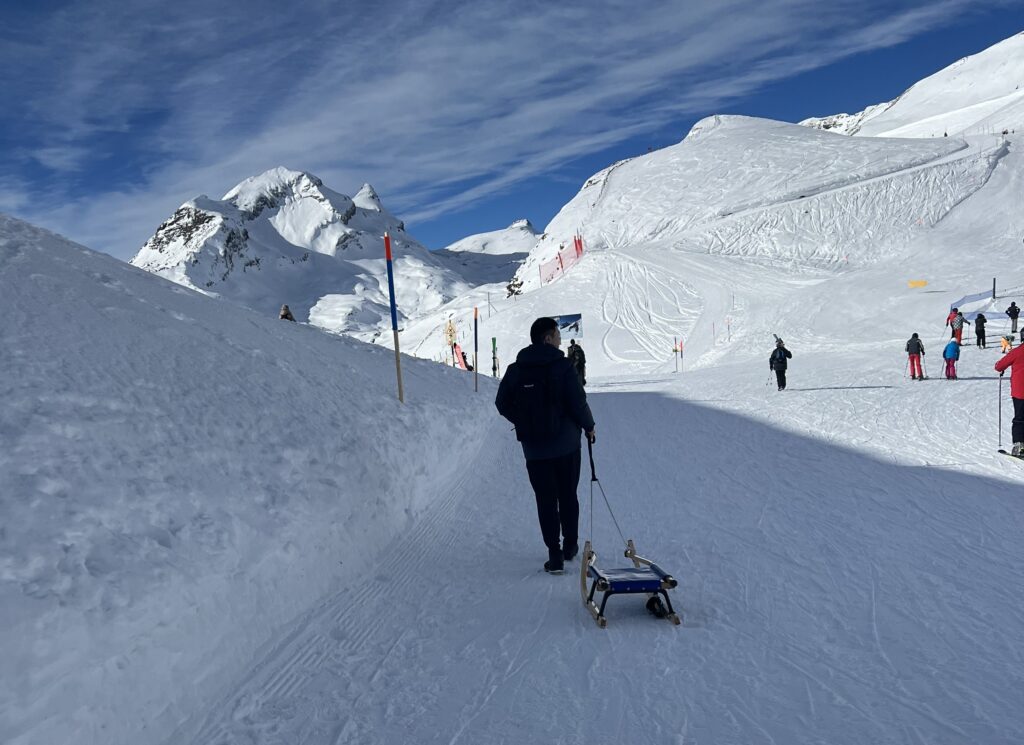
537 406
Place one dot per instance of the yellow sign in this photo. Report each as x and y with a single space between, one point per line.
917 283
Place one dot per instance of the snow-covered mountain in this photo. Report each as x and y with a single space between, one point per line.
285 238
517 238
978 94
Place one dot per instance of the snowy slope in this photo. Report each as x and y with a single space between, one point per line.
518 237
848 550
975 95
772 190
179 477
284 237
492 257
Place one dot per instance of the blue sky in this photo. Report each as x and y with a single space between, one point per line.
463 115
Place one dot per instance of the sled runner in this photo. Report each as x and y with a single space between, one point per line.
644 577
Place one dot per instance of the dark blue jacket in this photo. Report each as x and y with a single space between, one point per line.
777 360
576 416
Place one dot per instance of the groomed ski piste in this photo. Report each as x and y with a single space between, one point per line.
222 528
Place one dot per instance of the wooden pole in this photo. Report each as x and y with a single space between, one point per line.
394 315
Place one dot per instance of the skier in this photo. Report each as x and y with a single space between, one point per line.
542 396
286 314
979 329
1013 311
949 321
915 350
957 324
578 360
951 354
777 362
1006 343
1015 359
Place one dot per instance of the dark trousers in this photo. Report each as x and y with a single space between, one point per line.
980 335
780 375
1018 419
554 482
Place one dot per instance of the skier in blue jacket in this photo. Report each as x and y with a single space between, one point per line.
951 354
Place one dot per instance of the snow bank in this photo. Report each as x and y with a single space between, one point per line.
179 477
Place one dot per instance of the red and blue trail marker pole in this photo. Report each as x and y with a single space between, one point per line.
476 350
394 314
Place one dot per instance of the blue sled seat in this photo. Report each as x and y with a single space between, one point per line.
629 579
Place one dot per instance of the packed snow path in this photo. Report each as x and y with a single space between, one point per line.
827 595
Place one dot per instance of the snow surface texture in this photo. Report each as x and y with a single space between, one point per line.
224 529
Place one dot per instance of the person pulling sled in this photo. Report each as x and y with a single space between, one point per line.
542 396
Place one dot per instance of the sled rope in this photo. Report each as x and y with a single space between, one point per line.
593 480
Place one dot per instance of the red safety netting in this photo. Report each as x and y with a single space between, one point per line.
566 257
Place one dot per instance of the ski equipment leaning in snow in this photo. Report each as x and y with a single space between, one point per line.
915 350
777 362
1015 360
951 354
542 396
643 577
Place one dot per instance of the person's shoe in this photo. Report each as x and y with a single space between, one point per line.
554 564
569 552
1018 449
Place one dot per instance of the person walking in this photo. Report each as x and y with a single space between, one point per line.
951 354
915 350
1013 312
542 396
285 314
957 324
578 359
778 362
949 321
979 329
1015 360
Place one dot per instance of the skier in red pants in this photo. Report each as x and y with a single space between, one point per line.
915 350
1015 359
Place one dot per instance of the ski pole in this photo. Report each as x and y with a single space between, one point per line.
924 369
1000 410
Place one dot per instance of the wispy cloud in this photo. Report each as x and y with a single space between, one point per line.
439 104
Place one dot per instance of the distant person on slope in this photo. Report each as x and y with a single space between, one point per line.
915 350
951 354
1015 359
578 360
542 396
1013 312
979 329
286 314
777 362
957 324
949 321
1006 343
